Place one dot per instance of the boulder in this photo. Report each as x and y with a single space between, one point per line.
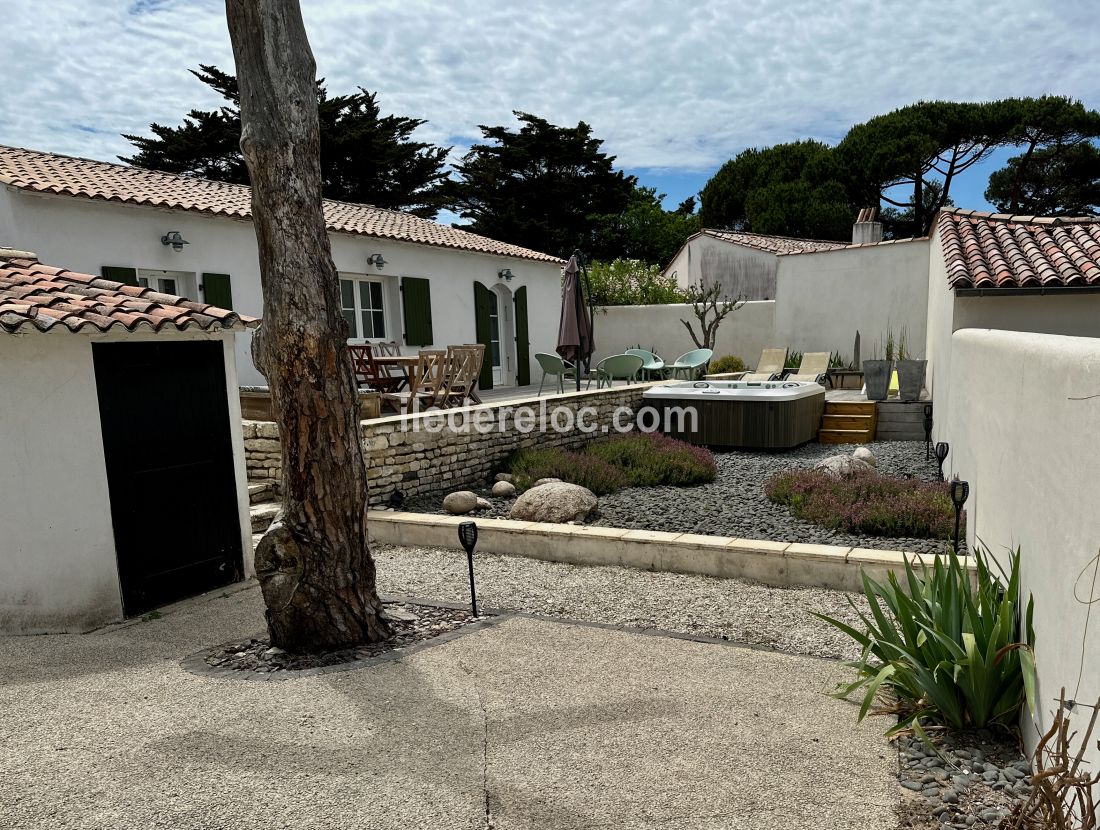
484 504
504 489
554 502
460 501
504 477
864 454
840 466
543 481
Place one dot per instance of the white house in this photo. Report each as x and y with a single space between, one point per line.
403 278
122 475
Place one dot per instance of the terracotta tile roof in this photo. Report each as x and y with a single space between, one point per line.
774 244
998 250
38 297
50 173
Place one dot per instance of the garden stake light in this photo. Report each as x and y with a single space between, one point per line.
467 535
927 431
960 490
942 448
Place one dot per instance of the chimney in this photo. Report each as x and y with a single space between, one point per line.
866 231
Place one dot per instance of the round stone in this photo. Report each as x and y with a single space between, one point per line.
460 502
504 489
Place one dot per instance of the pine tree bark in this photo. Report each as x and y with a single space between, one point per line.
314 566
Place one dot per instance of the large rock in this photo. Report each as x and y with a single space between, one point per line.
840 466
504 477
554 502
460 501
484 504
504 489
864 454
543 481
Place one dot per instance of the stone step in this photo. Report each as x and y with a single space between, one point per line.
860 422
845 436
260 493
850 408
262 515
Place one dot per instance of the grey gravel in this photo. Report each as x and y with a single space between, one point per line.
734 504
733 609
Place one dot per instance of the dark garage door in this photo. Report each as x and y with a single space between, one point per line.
166 439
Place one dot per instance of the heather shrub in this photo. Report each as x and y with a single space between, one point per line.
867 503
529 465
727 363
653 460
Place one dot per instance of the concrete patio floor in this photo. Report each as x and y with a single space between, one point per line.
527 723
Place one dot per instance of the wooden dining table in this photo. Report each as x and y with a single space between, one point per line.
403 361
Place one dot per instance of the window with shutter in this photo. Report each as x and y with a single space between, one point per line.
217 291
416 303
120 273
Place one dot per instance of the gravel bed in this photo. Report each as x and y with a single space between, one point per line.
734 504
731 609
976 783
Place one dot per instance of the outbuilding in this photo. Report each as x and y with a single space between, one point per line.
122 478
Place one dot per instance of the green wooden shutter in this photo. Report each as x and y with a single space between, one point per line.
483 309
416 301
523 350
118 273
216 290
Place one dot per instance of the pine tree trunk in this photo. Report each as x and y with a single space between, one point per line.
314 566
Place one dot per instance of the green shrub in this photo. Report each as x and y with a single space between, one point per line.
867 503
794 360
727 363
952 654
529 465
654 460
635 460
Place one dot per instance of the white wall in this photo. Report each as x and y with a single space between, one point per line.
745 332
58 570
741 270
1031 452
84 235
823 298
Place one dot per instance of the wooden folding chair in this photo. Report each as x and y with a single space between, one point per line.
424 383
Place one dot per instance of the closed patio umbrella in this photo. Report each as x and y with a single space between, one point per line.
575 329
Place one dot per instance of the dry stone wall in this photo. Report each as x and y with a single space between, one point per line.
414 455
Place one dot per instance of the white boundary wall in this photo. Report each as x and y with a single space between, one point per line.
1032 455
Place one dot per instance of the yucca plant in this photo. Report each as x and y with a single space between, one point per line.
952 654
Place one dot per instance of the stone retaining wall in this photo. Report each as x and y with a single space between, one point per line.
403 454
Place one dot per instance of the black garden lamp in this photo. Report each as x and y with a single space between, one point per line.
467 535
960 490
927 431
942 448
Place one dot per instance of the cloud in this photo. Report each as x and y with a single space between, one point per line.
669 86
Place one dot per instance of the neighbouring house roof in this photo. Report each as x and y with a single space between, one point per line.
39 297
773 244
42 172
1005 252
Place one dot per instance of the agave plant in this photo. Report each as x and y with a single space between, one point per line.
952 654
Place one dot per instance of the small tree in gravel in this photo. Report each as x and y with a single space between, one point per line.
710 307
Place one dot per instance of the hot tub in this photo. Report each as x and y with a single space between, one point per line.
769 415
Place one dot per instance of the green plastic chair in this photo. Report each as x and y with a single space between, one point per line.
688 364
552 364
651 363
616 367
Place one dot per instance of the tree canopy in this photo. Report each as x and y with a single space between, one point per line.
789 189
365 156
1049 181
644 230
540 186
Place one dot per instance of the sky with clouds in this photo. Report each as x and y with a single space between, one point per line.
673 88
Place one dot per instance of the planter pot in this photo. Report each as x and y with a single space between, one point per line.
911 379
876 376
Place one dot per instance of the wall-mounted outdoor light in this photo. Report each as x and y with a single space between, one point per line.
960 491
377 260
175 239
942 448
505 274
467 535
927 431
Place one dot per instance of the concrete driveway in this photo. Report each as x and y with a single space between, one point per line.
527 723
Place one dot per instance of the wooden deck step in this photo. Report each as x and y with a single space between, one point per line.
845 436
850 408
857 422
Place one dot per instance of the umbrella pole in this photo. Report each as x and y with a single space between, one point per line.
580 302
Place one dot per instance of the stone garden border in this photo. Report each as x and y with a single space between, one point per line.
773 563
